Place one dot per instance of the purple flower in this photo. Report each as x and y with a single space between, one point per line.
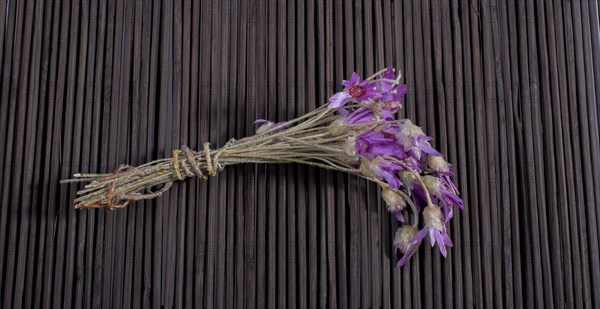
395 202
391 93
413 185
444 170
389 73
360 116
404 245
390 99
414 140
379 143
435 227
381 169
355 89
436 187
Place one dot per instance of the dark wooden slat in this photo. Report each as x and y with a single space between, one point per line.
550 174
40 67
564 233
272 205
9 88
16 255
575 92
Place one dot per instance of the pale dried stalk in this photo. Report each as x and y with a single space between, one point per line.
304 140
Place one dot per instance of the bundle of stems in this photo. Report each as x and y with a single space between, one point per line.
356 133
304 140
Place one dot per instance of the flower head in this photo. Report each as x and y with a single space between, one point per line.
355 89
439 165
414 140
434 227
404 245
395 202
381 169
436 187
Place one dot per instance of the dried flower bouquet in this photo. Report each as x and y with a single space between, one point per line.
355 133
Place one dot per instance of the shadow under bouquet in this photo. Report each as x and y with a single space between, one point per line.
356 133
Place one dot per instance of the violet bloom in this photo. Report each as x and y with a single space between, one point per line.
381 169
395 202
355 89
391 93
388 73
444 170
414 140
404 245
436 187
413 185
378 144
360 116
435 227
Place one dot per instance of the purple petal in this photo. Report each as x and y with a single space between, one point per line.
389 73
449 212
433 237
418 191
390 178
386 149
261 121
342 111
448 183
391 129
452 199
447 240
401 90
339 99
404 260
441 245
428 149
387 114
369 94
398 214
362 115
419 236
353 80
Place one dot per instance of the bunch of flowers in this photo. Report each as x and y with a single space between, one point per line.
356 133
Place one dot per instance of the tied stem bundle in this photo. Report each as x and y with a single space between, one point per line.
355 133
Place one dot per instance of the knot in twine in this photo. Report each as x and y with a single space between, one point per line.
212 162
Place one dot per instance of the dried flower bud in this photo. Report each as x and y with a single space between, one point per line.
395 202
338 127
393 199
264 127
404 237
408 132
433 217
438 164
404 243
367 167
350 146
408 178
433 184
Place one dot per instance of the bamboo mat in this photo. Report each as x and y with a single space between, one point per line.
508 89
